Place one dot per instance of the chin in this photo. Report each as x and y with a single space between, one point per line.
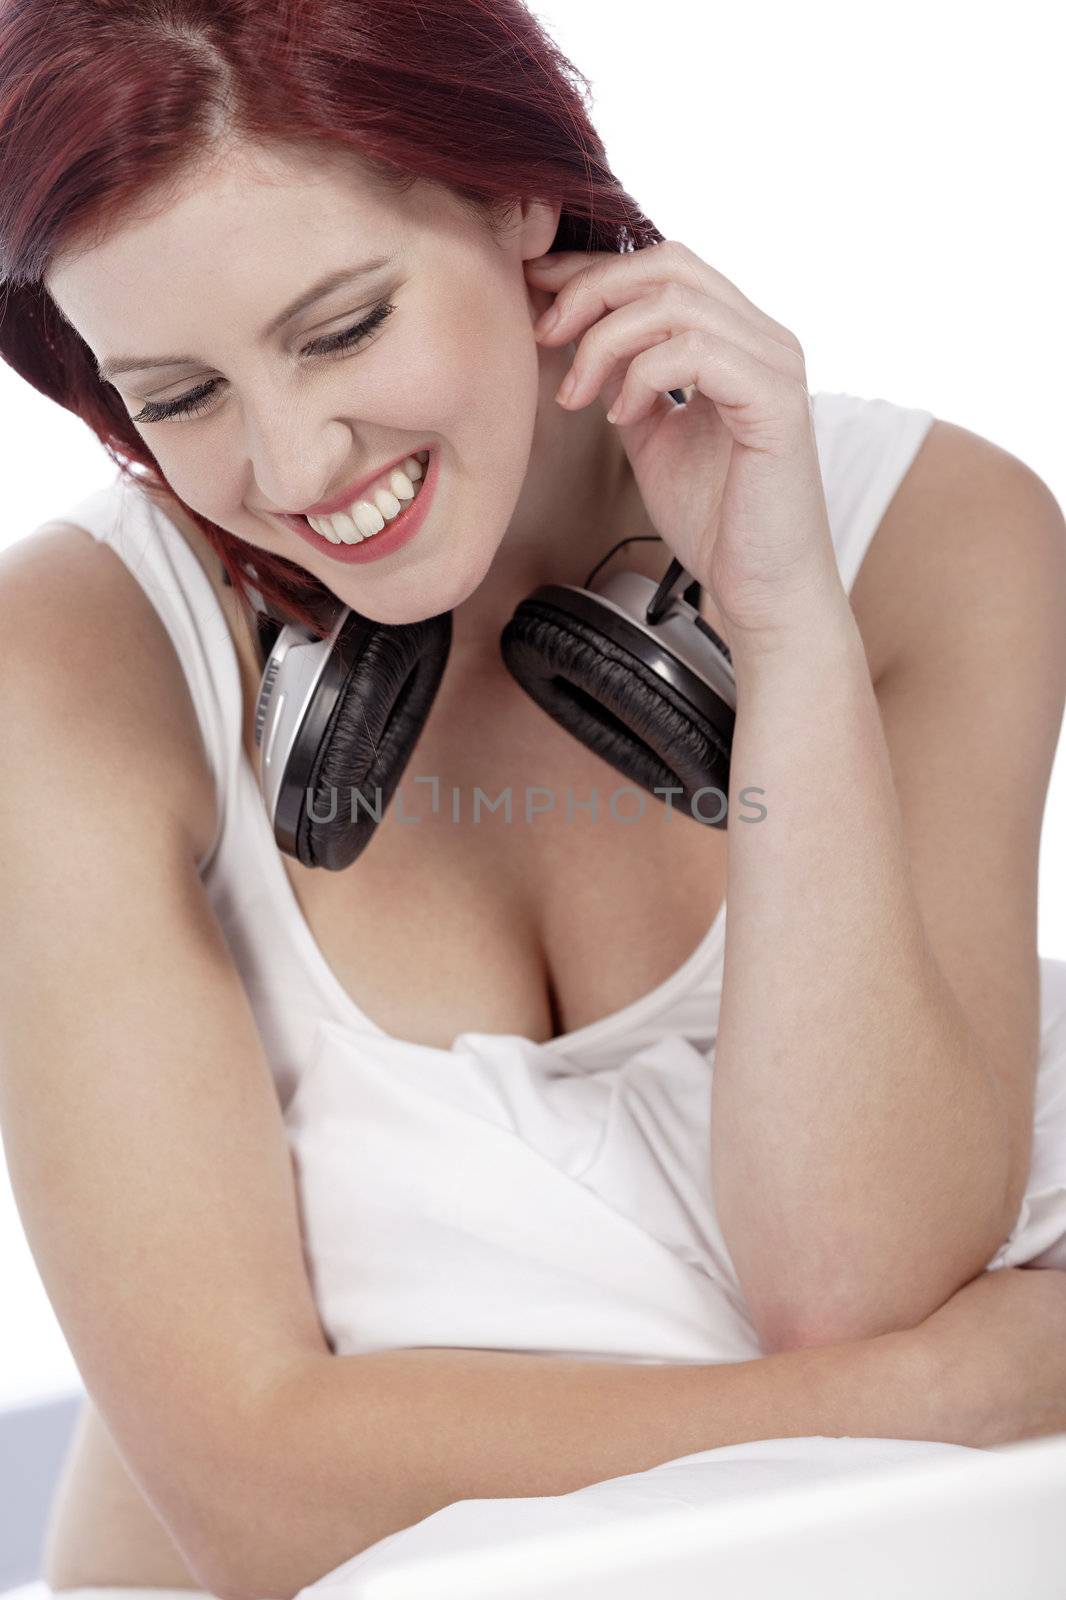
436 587
397 604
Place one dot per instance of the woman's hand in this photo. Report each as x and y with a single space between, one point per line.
997 1356
731 481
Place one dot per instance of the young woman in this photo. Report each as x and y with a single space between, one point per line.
361 1192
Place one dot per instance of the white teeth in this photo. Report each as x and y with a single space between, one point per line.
379 507
323 529
343 527
368 518
387 503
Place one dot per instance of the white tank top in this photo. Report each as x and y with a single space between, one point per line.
503 1193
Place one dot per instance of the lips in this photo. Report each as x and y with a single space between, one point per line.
355 491
392 537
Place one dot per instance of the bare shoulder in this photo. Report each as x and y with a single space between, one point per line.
89 648
971 531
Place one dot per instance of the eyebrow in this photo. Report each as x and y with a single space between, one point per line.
334 280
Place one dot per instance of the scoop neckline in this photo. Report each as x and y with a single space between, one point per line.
591 1032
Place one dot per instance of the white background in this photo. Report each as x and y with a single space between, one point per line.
880 179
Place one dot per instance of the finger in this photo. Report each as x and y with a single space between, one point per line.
585 285
762 408
659 314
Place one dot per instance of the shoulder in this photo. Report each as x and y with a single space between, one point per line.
88 661
973 543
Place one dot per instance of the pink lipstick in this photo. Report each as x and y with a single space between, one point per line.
400 531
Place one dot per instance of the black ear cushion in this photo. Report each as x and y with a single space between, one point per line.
615 705
374 726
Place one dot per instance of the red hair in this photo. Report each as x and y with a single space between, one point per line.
106 105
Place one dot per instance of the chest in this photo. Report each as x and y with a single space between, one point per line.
537 913
516 883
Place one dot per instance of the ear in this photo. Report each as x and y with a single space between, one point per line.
531 227
540 224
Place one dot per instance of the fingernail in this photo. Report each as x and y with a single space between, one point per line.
567 387
547 322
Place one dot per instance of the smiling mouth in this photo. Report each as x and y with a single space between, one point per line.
378 508
390 532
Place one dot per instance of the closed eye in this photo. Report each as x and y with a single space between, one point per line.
195 400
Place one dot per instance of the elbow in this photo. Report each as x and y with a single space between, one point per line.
269 1573
882 1306
250 1565
283 1521
224 1569
219 1590
893 1290
275 1569
889 1305
788 1328
223 1574
781 1326
251 1546
831 1316
800 1332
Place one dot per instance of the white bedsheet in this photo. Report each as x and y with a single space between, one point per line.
806 1519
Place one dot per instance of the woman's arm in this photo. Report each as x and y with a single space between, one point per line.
878 1038
356 1447
353 1448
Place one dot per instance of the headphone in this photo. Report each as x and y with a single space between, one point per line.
631 670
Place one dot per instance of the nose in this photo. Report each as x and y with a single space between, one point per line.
297 459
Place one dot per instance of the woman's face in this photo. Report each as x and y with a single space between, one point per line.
453 367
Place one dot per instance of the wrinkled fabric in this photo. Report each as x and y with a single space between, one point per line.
492 1196
485 1197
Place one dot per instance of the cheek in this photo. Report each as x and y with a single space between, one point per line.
489 370
475 378
204 474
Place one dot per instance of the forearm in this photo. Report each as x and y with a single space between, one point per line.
354 1448
859 1155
